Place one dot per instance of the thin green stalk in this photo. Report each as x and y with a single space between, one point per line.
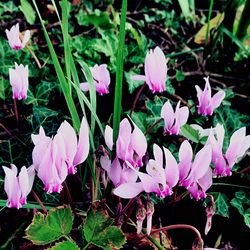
230 185
154 241
209 18
65 31
92 91
88 104
62 80
119 73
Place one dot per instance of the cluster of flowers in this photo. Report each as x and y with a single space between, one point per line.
53 160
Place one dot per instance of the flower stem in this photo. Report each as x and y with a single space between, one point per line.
39 202
16 111
178 226
136 98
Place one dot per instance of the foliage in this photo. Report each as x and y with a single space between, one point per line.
45 229
99 229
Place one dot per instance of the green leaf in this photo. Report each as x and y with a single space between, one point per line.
169 87
247 217
2 88
154 111
132 84
65 245
190 133
139 118
221 203
97 18
98 228
119 73
28 11
45 229
179 75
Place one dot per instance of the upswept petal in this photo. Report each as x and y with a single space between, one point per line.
128 190
108 136
115 172
201 162
158 154
83 143
167 113
217 99
156 171
70 141
171 168
138 141
185 159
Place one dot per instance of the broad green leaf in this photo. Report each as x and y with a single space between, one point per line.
190 133
240 202
65 245
221 203
237 204
139 118
45 229
28 11
98 228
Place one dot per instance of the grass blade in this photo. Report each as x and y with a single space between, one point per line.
65 31
119 73
62 80
209 18
92 91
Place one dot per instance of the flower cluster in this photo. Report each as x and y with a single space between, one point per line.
18 76
53 159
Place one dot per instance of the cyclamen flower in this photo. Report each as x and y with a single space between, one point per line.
101 79
207 103
55 158
195 175
13 36
155 68
116 172
239 144
19 186
158 179
131 143
19 81
174 120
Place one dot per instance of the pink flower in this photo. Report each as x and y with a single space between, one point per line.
116 172
174 120
239 144
19 81
55 158
155 71
131 144
13 36
159 179
207 103
195 175
19 186
101 79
